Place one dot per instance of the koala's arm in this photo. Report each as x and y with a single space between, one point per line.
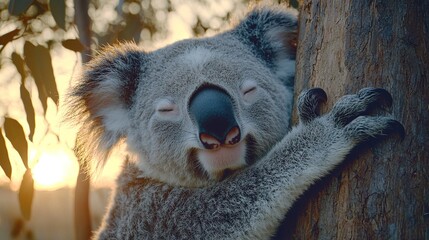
250 204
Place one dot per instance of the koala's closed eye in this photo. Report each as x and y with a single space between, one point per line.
166 108
249 90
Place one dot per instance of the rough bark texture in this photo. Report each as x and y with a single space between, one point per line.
382 190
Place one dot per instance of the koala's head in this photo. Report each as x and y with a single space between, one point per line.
194 111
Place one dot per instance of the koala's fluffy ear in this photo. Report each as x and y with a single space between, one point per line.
102 98
272 36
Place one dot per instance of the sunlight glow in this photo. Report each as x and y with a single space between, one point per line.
54 170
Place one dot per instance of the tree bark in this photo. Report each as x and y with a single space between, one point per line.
82 214
382 190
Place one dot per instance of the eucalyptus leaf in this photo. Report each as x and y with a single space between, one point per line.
18 7
25 95
73 44
58 10
25 195
29 110
39 61
7 37
15 134
4 157
19 64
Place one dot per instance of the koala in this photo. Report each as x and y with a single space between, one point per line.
206 124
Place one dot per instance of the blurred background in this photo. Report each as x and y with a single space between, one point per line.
40 57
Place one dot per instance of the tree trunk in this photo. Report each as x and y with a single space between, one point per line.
382 190
82 214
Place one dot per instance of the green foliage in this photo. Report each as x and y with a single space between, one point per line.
38 64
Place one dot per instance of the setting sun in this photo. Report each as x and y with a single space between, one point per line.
53 170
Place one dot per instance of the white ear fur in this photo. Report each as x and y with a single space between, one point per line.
101 100
115 119
106 103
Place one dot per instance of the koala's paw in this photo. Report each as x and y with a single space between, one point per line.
352 114
309 103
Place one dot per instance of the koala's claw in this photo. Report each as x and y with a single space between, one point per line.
365 102
382 96
309 103
353 113
366 127
395 127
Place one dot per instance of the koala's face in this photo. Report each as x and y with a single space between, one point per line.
195 111
245 110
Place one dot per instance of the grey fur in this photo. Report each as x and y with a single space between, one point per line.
165 191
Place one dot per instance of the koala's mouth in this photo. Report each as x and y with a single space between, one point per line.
220 163
224 157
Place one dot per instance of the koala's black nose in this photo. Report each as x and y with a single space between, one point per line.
212 110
